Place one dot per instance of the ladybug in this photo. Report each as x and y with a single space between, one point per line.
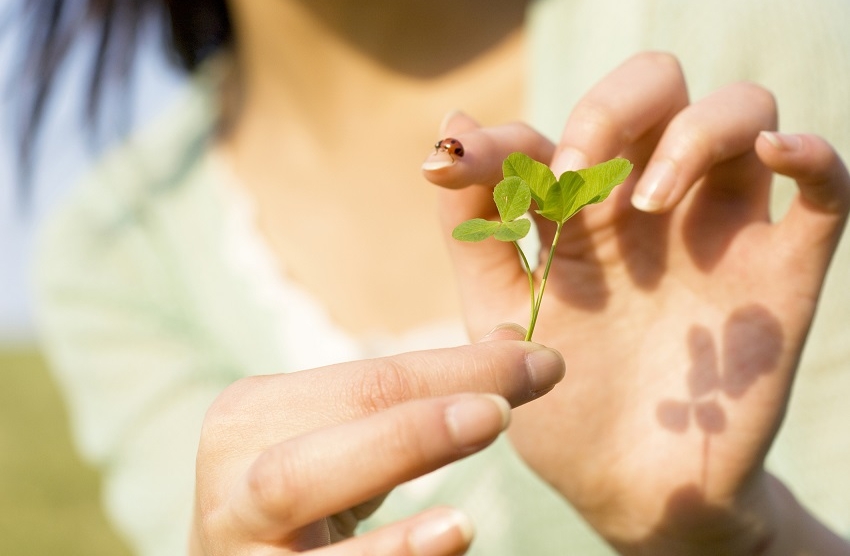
451 146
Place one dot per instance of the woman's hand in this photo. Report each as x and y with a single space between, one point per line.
291 463
684 319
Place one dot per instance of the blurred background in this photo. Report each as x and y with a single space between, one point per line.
49 498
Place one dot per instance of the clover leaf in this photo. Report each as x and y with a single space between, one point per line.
513 199
557 200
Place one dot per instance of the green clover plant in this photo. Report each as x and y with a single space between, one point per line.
557 200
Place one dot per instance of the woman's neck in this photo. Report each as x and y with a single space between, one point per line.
340 102
321 61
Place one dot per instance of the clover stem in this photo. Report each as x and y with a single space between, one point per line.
530 275
535 310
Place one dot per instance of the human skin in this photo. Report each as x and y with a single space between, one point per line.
291 463
322 89
682 306
288 127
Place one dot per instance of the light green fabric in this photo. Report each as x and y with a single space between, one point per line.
145 320
144 323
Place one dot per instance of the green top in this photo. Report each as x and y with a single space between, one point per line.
148 312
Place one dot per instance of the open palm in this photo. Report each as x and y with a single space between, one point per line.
682 323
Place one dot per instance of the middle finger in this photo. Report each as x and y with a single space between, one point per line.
329 470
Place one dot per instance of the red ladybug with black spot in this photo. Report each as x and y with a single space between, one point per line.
450 146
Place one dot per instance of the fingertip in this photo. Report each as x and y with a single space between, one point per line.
647 204
474 421
505 331
438 165
545 367
813 163
656 192
789 153
484 151
436 162
569 158
445 531
782 141
441 531
504 407
446 171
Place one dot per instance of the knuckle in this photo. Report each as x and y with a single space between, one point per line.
384 384
519 126
759 94
663 61
531 141
229 416
524 130
665 69
593 117
764 103
272 483
691 137
225 411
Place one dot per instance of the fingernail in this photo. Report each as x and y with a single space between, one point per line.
437 162
655 186
545 368
439 536
477 419
505 331
783 141
569 159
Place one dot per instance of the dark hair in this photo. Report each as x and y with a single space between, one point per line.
192 29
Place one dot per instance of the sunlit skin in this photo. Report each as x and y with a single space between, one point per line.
682 327
321 82
680 341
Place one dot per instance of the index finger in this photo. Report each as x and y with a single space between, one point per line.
484 149
516 370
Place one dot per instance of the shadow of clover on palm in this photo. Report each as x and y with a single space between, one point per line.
751 346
